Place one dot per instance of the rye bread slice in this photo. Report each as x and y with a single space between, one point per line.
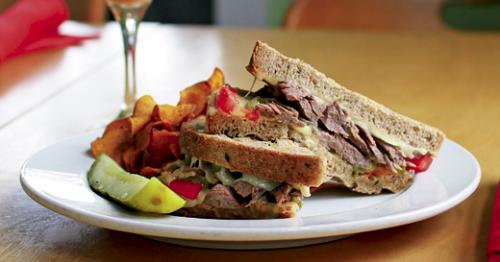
281 160
269 65
267 129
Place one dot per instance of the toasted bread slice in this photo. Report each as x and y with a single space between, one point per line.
269 65
266 129
281 160
259 211
337 169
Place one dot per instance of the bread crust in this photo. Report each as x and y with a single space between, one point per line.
281 160
269 65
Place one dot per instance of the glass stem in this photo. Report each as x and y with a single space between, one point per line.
129 27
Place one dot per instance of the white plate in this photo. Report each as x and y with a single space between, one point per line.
56 178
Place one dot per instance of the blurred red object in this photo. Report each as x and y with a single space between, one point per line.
494 237
30 25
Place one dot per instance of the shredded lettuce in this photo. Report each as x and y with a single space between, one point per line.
224 176
215 168
209 173
201 197
193 162
181 173
304 190
172 166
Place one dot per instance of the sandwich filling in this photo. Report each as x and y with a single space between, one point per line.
310 121
214 191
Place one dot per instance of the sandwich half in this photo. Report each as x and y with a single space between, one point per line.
257 154
366 146
242 177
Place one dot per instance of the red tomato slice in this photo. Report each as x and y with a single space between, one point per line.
227 99
232 89
421 163
253 115
185 188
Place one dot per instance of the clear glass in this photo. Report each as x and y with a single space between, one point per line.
129 14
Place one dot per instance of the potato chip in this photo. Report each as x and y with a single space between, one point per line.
131 159
138 122
134 156
174 115
216 80
144 106
142 138
175 148
159 146
196 95
148 171
143 109
114 142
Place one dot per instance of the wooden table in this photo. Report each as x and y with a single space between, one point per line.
450 80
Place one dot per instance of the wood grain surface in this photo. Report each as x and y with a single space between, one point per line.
449 80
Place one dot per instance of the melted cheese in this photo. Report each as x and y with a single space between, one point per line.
407 150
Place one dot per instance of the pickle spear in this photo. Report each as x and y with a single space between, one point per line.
138 192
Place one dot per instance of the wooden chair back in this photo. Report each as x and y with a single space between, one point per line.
414 15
